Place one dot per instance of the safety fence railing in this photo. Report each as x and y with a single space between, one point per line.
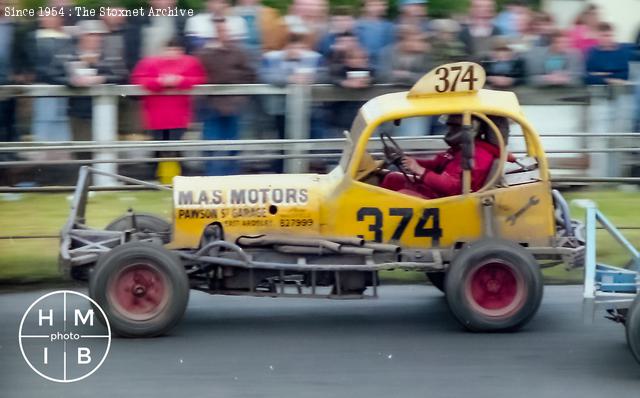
296 150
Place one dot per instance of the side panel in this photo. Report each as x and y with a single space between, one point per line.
376 214
524 213
244 205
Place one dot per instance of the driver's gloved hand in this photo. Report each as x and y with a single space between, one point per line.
412 165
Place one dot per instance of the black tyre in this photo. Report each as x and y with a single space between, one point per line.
632 326
437 279
142 287
493 285
147 226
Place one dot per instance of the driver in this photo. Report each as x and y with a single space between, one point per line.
442 175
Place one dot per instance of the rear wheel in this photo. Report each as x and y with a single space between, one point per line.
146 225
493 285
437 279
632 327
142 288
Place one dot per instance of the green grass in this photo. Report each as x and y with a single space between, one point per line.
29 260
26 260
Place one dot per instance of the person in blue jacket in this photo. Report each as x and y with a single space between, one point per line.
608 62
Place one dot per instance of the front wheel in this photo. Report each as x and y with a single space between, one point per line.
493 285
632 326
142 288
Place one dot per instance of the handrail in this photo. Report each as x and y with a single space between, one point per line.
249 145
298 99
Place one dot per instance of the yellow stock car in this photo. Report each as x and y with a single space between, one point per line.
313 235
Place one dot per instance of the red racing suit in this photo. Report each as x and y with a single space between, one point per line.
443 175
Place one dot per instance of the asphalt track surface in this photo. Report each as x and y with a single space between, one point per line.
404 344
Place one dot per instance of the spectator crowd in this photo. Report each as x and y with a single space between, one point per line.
248 42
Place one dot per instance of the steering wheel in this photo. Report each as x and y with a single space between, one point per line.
394 154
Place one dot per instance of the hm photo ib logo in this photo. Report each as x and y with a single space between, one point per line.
64 336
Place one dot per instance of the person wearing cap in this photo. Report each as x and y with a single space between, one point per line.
442 175
87 66
414 12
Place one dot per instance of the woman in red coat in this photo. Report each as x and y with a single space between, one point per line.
167 117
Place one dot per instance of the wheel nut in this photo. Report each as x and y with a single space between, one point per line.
138 290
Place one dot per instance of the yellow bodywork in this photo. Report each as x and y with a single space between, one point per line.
338 205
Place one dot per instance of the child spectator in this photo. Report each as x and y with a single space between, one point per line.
584 33
373 31
505 69
556 65
608 62
166 117
225 62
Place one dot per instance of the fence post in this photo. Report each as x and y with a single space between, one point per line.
105 129
598 123
297 123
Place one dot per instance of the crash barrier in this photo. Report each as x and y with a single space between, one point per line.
297 147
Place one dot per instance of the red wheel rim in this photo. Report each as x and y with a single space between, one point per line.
495 289
138 291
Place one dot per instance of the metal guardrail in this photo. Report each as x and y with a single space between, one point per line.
298 102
